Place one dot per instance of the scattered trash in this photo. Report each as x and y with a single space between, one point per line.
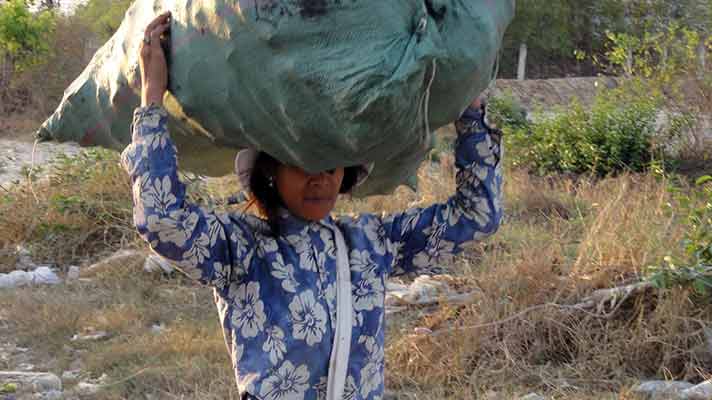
40 276
71 375
156 263
90 337
703 391
655 390
38 381
424 290
422 331
91 387
158 328
73 273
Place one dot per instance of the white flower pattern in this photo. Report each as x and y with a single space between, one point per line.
248 313
274 344
368 293
285 273
276 294
371 376
287 383
308 318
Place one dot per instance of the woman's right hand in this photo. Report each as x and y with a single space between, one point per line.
152 61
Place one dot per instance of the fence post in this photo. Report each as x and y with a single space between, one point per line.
522 69
702 56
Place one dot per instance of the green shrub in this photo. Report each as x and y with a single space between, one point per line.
505 110
616 135
696 269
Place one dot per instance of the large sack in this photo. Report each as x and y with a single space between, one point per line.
316 83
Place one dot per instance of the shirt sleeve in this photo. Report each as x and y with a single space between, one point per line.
207 246
419 236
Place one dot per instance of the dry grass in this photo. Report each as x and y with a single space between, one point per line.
83 209
561 240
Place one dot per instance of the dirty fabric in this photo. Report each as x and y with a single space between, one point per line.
276 293
316 83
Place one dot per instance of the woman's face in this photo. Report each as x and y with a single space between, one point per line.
309 196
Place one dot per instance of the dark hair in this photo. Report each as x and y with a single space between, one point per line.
265 194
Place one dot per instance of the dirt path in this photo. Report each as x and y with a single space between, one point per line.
16 156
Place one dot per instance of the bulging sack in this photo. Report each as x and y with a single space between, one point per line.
316 83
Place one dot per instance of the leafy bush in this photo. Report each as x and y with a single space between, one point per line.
696 270
505 110
616 135
24 37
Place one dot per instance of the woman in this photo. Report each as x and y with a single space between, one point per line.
301 295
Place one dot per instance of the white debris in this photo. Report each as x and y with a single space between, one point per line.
91 387
158 328
422 331
40 276
703 391
87 388
156 263
52 395
425 289
71 375
90 337
26 367
38 381
532 396
45 275
658 390
73 273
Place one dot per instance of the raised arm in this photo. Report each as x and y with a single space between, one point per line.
213 248
419 236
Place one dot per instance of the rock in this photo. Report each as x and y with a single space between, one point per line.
38 381
156 263
703 391
532 396
73 273
120 258
661 390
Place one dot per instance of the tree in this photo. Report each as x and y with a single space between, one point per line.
570 36
103 16
24 38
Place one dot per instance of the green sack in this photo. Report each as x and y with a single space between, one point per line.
316 83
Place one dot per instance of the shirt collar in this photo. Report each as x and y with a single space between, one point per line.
290 224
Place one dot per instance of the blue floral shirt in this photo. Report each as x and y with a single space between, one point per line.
276 295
